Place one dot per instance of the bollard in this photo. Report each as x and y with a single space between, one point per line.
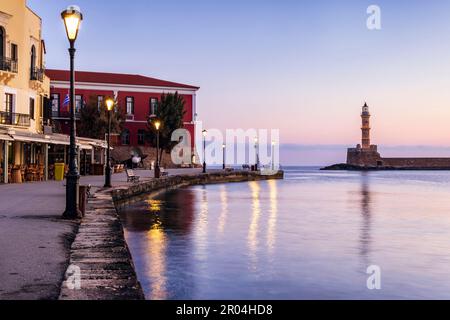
82 200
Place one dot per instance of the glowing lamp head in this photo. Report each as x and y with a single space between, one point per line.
72 19
273 143
256 139
109 102
204 132
157 124
223 146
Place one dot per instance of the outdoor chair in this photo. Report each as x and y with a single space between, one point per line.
131 177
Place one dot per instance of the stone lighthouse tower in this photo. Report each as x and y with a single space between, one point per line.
365 128
364 154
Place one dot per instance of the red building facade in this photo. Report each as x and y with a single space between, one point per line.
136 94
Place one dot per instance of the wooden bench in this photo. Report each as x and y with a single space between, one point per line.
163 172
131 177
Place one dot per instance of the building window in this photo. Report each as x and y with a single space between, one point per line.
100 102
141 137
2 44
125 137
9 102
130 105
153 106
32 108
33 63
55 105
14 52
78 103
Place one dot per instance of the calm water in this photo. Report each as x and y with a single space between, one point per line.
310 236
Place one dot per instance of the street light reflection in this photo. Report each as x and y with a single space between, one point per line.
157 244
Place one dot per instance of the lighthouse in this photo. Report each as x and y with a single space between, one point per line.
365 154
365 128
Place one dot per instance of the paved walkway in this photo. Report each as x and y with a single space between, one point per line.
35 241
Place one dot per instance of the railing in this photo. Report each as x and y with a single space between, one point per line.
16 119
63 114
37 74
6 64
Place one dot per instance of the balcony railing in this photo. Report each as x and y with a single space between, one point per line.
16 119
65 114
37 74
6 64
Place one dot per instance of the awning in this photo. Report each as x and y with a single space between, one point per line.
84 146
30 139
5 137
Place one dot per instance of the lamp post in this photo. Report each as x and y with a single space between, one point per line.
157 169
72 19
273 155
204 132
256 154
109 102
223 154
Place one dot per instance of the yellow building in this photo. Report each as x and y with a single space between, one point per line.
24 88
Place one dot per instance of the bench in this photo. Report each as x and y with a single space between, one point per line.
131 177
163 172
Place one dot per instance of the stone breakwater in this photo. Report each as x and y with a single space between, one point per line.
101 266
125 193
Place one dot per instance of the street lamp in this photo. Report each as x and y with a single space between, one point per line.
72 19
223 153
157 169
256 154
109 103
273 155
204 132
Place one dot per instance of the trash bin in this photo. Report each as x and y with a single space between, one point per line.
59 171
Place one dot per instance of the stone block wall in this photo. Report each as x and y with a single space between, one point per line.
363 157
425 163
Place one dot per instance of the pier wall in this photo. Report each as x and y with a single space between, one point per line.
426 163
372 159
173 182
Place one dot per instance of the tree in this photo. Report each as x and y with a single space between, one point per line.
94 120
170 111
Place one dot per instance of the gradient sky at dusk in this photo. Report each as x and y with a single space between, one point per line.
304 67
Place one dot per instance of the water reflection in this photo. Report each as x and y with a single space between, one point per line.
148 226
201 237
365 236
271 229
253 228
156 271
224 209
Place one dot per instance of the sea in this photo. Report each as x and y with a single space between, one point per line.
314 235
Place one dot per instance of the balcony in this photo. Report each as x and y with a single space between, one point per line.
8 65
15 119
37 74
65 115
39 81
8 70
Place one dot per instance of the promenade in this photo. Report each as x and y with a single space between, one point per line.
35 240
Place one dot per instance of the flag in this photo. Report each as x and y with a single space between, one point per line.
66 101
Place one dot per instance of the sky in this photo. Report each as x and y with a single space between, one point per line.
303 67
